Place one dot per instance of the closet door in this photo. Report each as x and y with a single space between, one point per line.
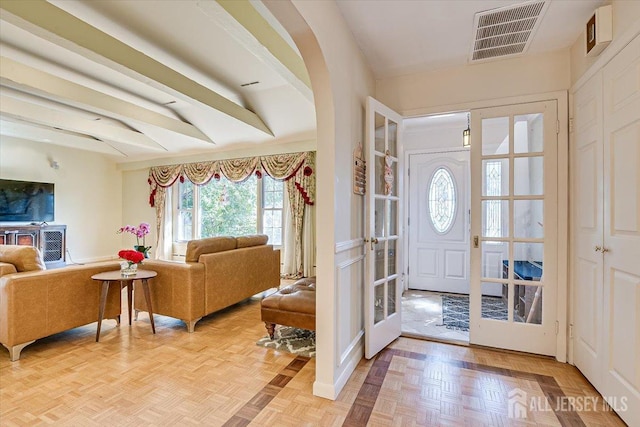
587 293
621 84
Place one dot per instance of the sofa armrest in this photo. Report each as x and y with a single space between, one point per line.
6 268
177 291
36 304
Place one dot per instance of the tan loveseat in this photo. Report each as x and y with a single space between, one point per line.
35 303
217 272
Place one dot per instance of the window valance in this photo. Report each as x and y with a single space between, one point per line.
299 168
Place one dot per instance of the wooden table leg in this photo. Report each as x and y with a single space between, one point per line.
129 285
103 303
147 296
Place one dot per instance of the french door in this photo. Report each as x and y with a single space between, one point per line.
383 245
514 227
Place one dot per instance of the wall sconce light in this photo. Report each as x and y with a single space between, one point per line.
466 135
53 164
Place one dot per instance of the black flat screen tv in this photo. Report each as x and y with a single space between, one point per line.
25 201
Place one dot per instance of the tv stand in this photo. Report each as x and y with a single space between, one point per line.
50 239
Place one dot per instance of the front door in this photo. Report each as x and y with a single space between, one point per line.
514 227
383 246
439 221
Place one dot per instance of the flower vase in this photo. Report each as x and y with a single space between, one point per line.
142 249
128 269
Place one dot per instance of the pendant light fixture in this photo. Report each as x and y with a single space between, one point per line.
466 135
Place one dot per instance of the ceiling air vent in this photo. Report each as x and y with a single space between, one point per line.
506 31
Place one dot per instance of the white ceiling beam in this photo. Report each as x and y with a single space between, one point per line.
46 135
25 111
57 26
27 79
249 28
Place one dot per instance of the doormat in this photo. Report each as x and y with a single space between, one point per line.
455 311
297 341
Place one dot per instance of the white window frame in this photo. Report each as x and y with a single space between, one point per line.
179 246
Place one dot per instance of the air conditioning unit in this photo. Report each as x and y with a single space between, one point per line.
599 32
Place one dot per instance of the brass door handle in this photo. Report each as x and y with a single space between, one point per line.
374 240
598 248
605 249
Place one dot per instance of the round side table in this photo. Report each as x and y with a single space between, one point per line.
125 281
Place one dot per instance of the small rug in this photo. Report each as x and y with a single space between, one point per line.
297 341
455 311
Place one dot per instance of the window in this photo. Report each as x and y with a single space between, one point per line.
224 208
442 200
493 216
272 204
184 211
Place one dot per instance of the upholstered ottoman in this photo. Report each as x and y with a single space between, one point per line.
294 305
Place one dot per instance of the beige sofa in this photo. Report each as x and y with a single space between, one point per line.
35 303
217 272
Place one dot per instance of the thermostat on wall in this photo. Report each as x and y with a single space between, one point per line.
599 31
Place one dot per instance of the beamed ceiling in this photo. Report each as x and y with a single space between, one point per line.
141 80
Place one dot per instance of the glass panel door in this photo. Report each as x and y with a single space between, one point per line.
514 224
383 288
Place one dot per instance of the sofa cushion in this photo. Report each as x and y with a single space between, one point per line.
23 258
252 240
210 245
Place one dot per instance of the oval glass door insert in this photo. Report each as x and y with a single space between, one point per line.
442 200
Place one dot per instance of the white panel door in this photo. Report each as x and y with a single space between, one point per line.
514 223
588 229
439 221
383 284
621 84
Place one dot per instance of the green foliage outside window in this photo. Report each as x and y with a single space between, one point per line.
228 209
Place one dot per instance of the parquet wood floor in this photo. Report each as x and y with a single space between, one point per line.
218 376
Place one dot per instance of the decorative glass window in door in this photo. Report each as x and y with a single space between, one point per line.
493 214
442 200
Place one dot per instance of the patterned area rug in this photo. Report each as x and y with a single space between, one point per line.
455 311
300 342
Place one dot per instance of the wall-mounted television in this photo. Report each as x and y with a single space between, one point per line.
26 201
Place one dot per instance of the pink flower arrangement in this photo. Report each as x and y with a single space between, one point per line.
140 232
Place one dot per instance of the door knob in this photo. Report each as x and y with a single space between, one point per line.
598 248
374 240
605 249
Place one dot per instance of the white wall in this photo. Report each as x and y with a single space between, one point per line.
416 94
135 206
88 192
341 82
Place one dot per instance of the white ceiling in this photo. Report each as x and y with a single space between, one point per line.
401 37
177 89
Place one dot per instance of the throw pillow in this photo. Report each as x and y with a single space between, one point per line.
24 258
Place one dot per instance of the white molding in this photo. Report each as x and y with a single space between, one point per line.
563 165
340 356
356 343
485 103
346 245
328 391
354 357
609 53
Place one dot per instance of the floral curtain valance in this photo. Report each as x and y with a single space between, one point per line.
296 167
